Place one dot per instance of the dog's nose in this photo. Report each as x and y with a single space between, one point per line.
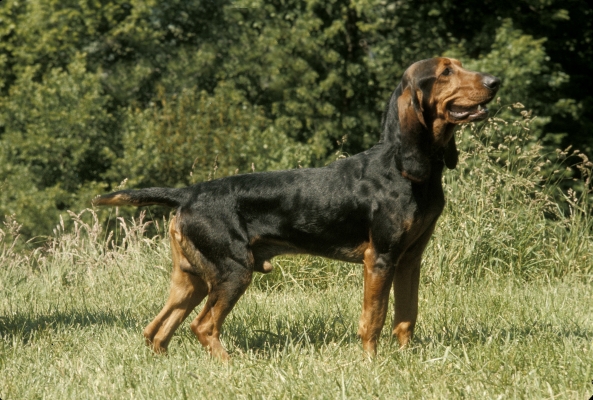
491 82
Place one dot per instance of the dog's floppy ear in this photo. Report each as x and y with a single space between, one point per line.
451 156
414 135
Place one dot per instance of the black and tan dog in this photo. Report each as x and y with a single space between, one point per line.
377 208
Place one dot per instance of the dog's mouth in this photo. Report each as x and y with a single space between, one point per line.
477 112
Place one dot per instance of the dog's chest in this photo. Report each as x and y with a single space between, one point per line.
409 211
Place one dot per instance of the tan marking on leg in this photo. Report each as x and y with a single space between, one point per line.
221 300
187 291
377 282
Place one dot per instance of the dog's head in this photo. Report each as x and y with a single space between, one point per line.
433 97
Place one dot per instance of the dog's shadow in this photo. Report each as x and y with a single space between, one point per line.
285 335
26 327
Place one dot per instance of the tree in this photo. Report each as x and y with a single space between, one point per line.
92 92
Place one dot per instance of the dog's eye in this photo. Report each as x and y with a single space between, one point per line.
446 72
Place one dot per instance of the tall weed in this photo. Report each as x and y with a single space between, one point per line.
513 209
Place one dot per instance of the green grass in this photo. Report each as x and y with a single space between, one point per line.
80 337
505 303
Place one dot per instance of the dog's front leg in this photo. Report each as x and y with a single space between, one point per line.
378 276
405 289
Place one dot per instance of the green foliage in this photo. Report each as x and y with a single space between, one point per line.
522 62
180 140
323 71
94 92
55 145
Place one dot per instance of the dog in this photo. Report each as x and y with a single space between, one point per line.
377 208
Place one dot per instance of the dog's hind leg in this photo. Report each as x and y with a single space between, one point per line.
222 298
187 291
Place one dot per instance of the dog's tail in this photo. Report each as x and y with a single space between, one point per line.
169 197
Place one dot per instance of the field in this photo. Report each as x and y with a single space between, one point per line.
505 306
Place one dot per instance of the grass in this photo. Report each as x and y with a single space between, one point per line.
505 303
81 338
